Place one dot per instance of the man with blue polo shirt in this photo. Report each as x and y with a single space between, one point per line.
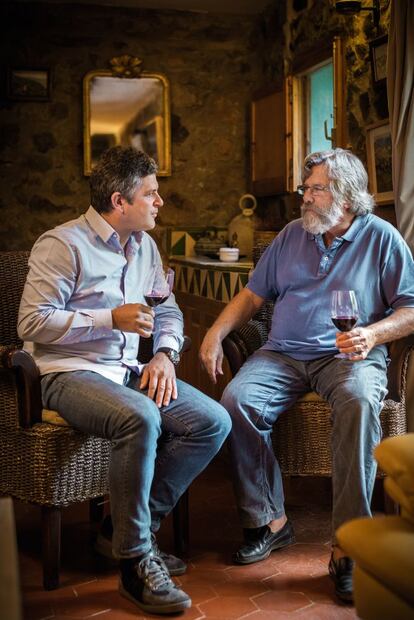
338 244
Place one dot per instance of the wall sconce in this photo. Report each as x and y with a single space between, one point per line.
352 7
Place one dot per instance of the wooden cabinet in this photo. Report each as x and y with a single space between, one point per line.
268 143
280 127
199 315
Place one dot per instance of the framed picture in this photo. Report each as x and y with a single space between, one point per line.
380 162
28 84
378 52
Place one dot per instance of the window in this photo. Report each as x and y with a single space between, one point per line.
306 114
313 111
315 114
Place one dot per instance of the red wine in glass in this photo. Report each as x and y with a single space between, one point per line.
344 312
344 323
160 286
153 299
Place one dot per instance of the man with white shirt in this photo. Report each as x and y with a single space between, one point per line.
83 310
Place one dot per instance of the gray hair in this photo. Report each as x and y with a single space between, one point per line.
120 169
348 178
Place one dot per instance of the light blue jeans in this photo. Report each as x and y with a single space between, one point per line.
268 384
146 477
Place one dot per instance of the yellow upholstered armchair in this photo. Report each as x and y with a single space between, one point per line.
48 464
383 547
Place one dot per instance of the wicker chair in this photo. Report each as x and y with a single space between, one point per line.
302 436
50 465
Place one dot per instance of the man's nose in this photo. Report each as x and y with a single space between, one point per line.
159 200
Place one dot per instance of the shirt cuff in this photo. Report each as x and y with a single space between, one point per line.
102 318
169 342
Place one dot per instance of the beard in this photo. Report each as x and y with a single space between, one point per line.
317 221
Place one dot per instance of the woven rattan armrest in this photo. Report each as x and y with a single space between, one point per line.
399 352
26 373
241 343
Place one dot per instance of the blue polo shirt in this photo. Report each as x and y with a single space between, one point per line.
298 273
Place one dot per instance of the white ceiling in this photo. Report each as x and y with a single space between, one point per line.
200 6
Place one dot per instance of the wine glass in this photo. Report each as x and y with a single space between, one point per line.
159 285
344 313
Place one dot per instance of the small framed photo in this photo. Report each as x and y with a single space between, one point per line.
28 84
378 52
379 159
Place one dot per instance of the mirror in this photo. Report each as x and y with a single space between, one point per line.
130 107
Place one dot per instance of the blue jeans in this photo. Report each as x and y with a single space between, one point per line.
146 477
268 384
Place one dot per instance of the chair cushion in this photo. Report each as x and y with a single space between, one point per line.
395 456
52 417
310 397
383 547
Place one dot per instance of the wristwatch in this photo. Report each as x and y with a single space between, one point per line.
172 355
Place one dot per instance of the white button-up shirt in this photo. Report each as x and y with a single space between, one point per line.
78 273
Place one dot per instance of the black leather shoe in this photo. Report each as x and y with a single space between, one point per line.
341 574
261 542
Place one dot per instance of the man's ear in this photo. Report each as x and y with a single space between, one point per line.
117 202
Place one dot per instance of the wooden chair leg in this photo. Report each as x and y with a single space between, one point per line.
390 507
96 509
181 525
51 533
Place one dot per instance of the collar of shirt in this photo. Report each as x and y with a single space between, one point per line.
105 231
328 254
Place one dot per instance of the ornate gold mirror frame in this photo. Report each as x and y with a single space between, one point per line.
128 106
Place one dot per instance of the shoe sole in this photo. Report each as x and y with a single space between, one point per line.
170 608
265 555
345 597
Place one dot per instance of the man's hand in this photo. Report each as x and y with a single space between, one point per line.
357 343
159 378
211 355
135 318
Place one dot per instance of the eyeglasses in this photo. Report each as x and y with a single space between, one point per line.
315 190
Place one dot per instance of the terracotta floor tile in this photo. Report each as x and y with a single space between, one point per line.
282 601
200 592
268 615
325 612
203 576
241 587
317 589
292 583
228 607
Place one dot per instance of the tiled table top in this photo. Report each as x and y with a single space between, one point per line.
209 278
204 262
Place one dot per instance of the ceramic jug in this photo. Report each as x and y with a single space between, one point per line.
242 227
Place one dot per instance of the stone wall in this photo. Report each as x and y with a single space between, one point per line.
214 66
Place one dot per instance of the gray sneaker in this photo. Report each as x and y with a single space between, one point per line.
103 546
147 583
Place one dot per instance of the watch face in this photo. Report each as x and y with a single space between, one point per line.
173 356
